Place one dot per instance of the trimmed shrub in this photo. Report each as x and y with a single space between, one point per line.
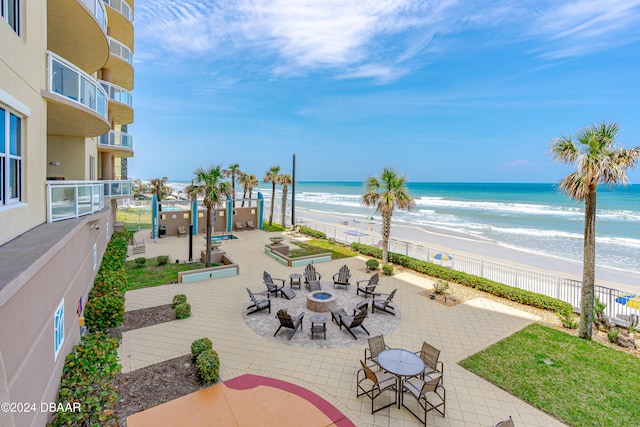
104 312
141 262
183 310
387 270
200 345
208 366
372 264
162 260
86 379
178 299
313 233
486 285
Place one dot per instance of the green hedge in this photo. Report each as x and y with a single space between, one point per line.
208 366
86 380
313 233
440 272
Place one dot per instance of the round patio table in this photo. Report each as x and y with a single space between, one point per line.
401 363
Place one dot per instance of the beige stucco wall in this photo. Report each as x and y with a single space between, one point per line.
71 153
22 61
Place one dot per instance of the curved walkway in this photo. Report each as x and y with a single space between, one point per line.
330 372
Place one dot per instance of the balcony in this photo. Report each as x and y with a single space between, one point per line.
77 30
120 20
118 188
120 64
72 199
120 144
120 103
77 104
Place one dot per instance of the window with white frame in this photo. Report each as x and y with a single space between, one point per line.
58 330
10 157
10 11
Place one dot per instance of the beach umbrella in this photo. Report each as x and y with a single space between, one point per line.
629 300
370 219
441 256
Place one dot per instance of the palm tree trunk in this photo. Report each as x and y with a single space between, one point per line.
250 193
589 266
386 233
273 197
284 204
244 196
207 263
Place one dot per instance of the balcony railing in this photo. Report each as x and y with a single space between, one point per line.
118 188
118 94
99 12
72 199
116 139
121 51
122 7
71 82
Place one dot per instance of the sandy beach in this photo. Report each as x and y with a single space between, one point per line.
456 243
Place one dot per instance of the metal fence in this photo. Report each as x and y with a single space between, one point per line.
553 285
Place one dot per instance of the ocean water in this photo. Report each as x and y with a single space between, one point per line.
532 217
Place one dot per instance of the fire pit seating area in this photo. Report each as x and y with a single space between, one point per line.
337 317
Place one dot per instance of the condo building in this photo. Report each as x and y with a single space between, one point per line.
66 75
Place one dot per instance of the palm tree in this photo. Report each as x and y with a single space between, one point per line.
244 180
598 160
387 192
233 171
158 186
252 182
285 181
271 176
209 183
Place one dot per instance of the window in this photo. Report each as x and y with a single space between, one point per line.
58 330
10 157
10 11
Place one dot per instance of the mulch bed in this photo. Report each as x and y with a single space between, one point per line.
150 386
446 299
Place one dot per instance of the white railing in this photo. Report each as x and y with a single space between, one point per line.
122 7
96 7
116 139
556 286
116 93
71 82
72 199
118 188
120 50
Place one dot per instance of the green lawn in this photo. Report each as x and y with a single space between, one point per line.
313 247
586 384
153 274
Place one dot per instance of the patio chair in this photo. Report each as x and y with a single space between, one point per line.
341 278
286 321
272 287
336 313
352 322
311 275
239 226
314 286
182 231
381 381
138 243
506 423
385 304
368 289
250 225
430 355
258 304
376 345
421 390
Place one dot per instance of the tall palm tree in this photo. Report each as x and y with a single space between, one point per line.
271 176
387 192
210 184
232 171
244 180
285 181
159 187
252 182
598 160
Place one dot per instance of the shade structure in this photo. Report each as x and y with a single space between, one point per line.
629 300
441 256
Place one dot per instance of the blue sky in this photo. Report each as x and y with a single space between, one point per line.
466 91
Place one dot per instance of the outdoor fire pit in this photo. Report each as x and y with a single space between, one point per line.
321 301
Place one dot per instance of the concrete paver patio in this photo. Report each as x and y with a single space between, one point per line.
217 313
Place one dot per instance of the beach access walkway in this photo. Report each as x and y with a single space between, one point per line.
330 373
